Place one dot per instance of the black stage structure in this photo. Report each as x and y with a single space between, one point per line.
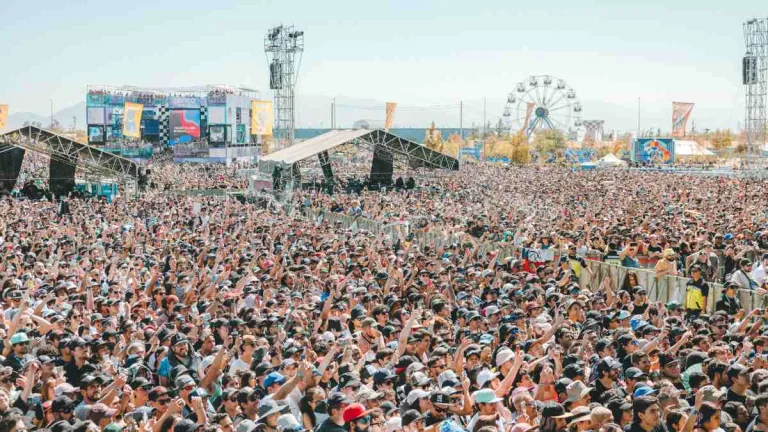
284 165
66 155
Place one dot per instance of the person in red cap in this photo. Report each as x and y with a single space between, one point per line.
357 418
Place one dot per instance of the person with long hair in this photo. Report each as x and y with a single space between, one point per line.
307 406
708 419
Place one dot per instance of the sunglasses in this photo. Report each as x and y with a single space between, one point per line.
364 420
163 401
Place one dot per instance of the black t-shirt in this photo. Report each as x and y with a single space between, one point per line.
330 426
732 396
639 310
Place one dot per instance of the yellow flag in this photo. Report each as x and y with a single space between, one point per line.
3 116
262 117
132 119
390 114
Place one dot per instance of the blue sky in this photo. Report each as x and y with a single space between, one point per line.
414 52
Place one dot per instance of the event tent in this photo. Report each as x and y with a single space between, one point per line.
610 160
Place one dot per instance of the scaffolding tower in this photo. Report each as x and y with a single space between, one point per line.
282 44
754 66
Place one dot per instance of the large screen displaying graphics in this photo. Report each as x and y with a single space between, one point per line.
184 125
150 127
217 134
95 115
96 134
654 150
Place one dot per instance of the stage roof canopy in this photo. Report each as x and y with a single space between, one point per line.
417 154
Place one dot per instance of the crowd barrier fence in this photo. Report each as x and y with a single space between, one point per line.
660 289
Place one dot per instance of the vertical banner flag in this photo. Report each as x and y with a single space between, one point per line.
132 119
680 113
3 116
528 112
391 106
262 117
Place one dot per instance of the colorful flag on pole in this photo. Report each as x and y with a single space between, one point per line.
132 119
528 112
3 116
262 117
680 113
391 106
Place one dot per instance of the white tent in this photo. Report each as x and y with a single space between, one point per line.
689 148
610 160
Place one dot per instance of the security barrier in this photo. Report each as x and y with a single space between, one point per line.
662 289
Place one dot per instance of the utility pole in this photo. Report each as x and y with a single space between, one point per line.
332 103
461 120
638 117
51 127
484 131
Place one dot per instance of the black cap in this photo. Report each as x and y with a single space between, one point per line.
634 373
411 416
335 400
62 404
383 375
348 379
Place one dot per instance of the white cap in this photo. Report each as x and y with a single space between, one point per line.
484 376
394 424
287 421
445 376
504 355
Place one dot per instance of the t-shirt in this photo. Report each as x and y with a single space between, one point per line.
695 292
329 426
732 396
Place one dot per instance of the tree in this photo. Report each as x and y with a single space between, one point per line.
721 139
433 137
521 151
550 141
499 128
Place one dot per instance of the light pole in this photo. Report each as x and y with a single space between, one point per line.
51 126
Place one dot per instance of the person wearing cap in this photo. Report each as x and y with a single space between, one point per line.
739 390
337 403
356 418
269 411
696 293
607 378
578 394
487 404
729 301
669 366
63 408
180 354
16 350
412 421
742 278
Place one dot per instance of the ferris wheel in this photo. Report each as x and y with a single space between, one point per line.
542 102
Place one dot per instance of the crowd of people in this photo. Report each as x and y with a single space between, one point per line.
175 313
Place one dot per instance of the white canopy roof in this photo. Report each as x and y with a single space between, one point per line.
685 148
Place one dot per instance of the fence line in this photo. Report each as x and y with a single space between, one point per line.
663 289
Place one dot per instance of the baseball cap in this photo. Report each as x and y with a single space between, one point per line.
273 378
353 412
486 396
504 355
267 407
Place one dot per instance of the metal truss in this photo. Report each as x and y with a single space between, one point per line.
418 156
91 160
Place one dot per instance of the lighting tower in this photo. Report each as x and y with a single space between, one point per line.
281 46
754 77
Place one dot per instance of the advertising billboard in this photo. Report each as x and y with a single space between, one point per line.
184 126
186 102
654 150
132 120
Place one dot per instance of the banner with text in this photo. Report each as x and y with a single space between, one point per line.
3 116
262 117
680 113
132 119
